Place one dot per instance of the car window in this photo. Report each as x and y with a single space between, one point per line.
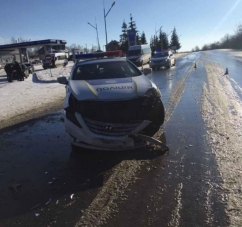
105 70
134 52
158 55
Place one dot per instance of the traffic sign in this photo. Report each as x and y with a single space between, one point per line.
48 57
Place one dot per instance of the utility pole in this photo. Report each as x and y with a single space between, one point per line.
105 15
96 32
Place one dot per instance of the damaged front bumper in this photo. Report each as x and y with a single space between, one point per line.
103 136
113 125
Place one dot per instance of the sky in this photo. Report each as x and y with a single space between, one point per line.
197 22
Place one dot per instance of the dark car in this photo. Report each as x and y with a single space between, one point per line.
30 67
36 61
25 71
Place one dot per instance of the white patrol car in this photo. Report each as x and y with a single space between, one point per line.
109 102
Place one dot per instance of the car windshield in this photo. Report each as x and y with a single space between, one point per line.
134 52
158 55
105 70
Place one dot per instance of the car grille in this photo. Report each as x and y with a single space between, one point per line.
110 129
120 112
118 118
159 61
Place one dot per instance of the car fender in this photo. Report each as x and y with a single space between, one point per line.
66 101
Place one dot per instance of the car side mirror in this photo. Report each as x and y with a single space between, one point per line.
147 71
62 80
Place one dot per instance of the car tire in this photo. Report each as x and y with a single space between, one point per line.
153 68
159 116
169 66
174 63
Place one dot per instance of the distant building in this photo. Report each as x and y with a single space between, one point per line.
51 49
113 45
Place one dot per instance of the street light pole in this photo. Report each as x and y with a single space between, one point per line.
97 34
105 15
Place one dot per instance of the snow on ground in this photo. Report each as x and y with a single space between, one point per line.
222 112
23 100
235 53
50 75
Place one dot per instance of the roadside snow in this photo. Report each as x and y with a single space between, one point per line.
23 100
51 75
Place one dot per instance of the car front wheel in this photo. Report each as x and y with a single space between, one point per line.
169 65
174 62
157 118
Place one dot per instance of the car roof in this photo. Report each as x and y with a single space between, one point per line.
96 60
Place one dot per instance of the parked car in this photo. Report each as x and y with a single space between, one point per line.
30 67
14 76
139 54
35 61
165 58
70 57
110 102
25 70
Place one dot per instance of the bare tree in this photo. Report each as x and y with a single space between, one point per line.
19 40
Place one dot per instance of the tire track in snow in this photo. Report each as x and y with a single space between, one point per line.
222 112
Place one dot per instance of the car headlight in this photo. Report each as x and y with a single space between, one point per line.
153 92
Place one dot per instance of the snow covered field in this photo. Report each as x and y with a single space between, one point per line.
38 95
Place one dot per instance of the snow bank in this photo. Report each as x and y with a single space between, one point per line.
37 95
51 75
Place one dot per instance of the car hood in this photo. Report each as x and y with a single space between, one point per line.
159 59
110 89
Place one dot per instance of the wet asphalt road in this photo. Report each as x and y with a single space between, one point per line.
40 175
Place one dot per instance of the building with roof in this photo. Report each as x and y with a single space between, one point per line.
20 53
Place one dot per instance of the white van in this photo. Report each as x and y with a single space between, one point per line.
139 54
61 59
